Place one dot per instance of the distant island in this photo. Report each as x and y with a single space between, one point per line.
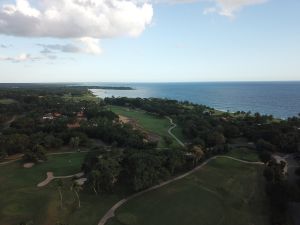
109 88
60 85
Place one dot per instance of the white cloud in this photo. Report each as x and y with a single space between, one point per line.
91 45
83 45
75 18
20 58
67 48
229 8
5 46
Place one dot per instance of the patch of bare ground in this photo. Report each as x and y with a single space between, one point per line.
28 165
149 136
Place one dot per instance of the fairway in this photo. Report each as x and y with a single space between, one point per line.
7 101
244 153
21 200
149 122
224 192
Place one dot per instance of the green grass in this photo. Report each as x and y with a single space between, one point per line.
7 101
244 154
86 97
21 200
149 122
224 192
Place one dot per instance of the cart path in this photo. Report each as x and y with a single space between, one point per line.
173 125
51 177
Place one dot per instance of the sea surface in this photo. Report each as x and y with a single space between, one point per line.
281 99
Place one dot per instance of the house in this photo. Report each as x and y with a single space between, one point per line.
56 114
74 125
48 116
80 114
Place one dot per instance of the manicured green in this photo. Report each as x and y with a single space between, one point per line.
22 200
224 192
89 97
149 122
244 154
7 101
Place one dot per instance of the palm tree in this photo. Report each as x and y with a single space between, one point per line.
59 187
198 154
76 188
95 174
74 142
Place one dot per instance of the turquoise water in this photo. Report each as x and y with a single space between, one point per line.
281 99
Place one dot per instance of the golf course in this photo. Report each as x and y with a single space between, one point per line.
22 200
150 123
224 191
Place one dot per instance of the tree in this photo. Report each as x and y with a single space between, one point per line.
265 156
297 171
3 154
143 169
268 174
174 159
59 187
167 140
197 153
76 188
15 143
74 142
35 154
94 180
216 138
108 173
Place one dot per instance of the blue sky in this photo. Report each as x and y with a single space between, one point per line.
159 41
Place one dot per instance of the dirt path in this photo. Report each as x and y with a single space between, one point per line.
173 125
111 212
7 124
51 177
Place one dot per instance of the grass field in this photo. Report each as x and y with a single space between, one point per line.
149 122
244 154
7 101
224 192
86 97
21 200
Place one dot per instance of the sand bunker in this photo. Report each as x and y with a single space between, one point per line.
124 119
28 165
81 181
51 177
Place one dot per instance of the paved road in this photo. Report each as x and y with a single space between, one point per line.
173 125
111 212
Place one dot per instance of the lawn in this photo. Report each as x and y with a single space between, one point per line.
224 192
21 200
7 101
244 154
149 122
89 97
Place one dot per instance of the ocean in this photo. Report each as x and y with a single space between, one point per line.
281 99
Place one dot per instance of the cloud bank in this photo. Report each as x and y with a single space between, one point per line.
75 18
20 58
229 8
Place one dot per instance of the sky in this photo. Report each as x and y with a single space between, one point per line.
149 40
